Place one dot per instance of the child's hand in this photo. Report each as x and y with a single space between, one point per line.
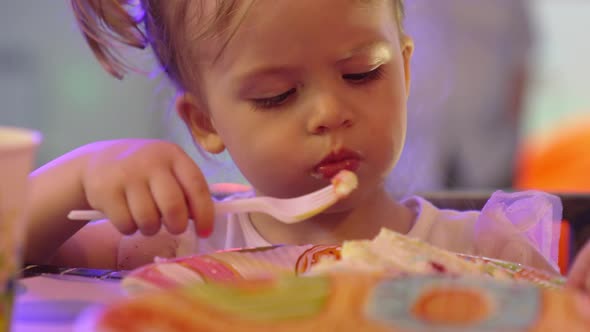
579 276
142 184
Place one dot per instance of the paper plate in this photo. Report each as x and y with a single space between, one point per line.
347 302
274 289
270 262
519 272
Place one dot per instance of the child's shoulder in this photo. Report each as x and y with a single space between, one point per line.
511 223
429 215
517 220
446 228
521 208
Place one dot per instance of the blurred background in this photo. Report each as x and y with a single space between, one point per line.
500 88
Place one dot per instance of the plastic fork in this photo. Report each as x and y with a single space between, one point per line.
287 210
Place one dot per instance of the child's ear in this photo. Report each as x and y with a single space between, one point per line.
407 44
198 122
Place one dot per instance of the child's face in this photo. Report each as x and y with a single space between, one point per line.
302 79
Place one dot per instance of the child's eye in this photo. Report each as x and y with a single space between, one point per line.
274 101
358 78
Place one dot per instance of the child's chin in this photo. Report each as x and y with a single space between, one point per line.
347 204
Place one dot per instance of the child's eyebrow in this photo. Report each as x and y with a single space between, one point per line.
250 77
266 71
378 49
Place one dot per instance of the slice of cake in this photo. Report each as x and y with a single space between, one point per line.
392 253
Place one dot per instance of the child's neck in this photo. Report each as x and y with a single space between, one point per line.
379 210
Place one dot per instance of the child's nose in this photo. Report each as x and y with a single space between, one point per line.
329 114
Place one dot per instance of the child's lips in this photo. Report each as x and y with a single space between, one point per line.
336 162
329 170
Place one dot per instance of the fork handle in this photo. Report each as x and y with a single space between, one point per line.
238 205
221 208
86 215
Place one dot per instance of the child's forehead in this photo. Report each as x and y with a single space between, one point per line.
261 24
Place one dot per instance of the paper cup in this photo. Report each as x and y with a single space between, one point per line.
18 148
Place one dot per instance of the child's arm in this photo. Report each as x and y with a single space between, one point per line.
96 245
138 184
579 276
101 245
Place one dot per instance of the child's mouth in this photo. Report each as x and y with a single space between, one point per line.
335 162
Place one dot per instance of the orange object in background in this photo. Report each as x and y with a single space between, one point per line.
564 251
558 162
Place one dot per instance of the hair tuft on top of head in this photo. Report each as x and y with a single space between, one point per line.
109 24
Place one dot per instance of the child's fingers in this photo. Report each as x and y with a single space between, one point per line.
115 208
196 190
170 200
143 209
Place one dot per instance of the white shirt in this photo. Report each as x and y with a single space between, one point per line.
447 229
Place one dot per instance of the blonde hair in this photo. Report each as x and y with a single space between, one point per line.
161 24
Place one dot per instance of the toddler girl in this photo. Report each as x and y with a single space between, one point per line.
295 91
